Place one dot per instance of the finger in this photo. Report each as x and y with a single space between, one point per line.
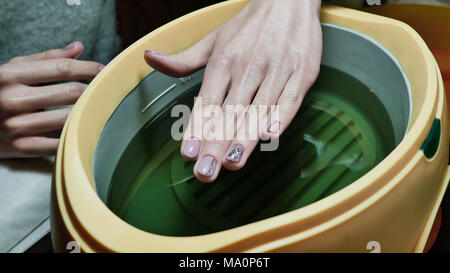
185 62
35 146
248 80
73 50
215 84
51 71
208 165
251 126
290 101
220 132
273 85
35 123
249 133
28 99
245 83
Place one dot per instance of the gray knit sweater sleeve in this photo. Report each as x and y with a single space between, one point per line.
28 26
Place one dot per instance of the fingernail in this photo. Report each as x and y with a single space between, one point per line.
207 166
235 153
100 68
191 148
71 46
154 52
274 127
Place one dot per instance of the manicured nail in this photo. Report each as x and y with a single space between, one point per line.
191 148
100 68
235 153
154 52
71 46
206 166
274 127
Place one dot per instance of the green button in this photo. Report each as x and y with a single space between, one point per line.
431 144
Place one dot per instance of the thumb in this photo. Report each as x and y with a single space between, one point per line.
185 62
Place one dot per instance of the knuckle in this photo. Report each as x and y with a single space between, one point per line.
291 95
246 64
64 67
231 101
253 64
307 69
263 100
228 49
20 145
219 60
307 77
75 89
8 104
298 62
46 55
313 73
224 54
230 110
208 101
297 56
9 126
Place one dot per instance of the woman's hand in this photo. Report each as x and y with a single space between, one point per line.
267 55
23 120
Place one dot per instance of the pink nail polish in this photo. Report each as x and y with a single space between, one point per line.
154 53
71 46
207 166
191 148
274 127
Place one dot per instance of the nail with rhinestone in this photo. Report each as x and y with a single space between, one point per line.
235 154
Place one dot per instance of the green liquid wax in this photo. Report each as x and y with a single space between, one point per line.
341 132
